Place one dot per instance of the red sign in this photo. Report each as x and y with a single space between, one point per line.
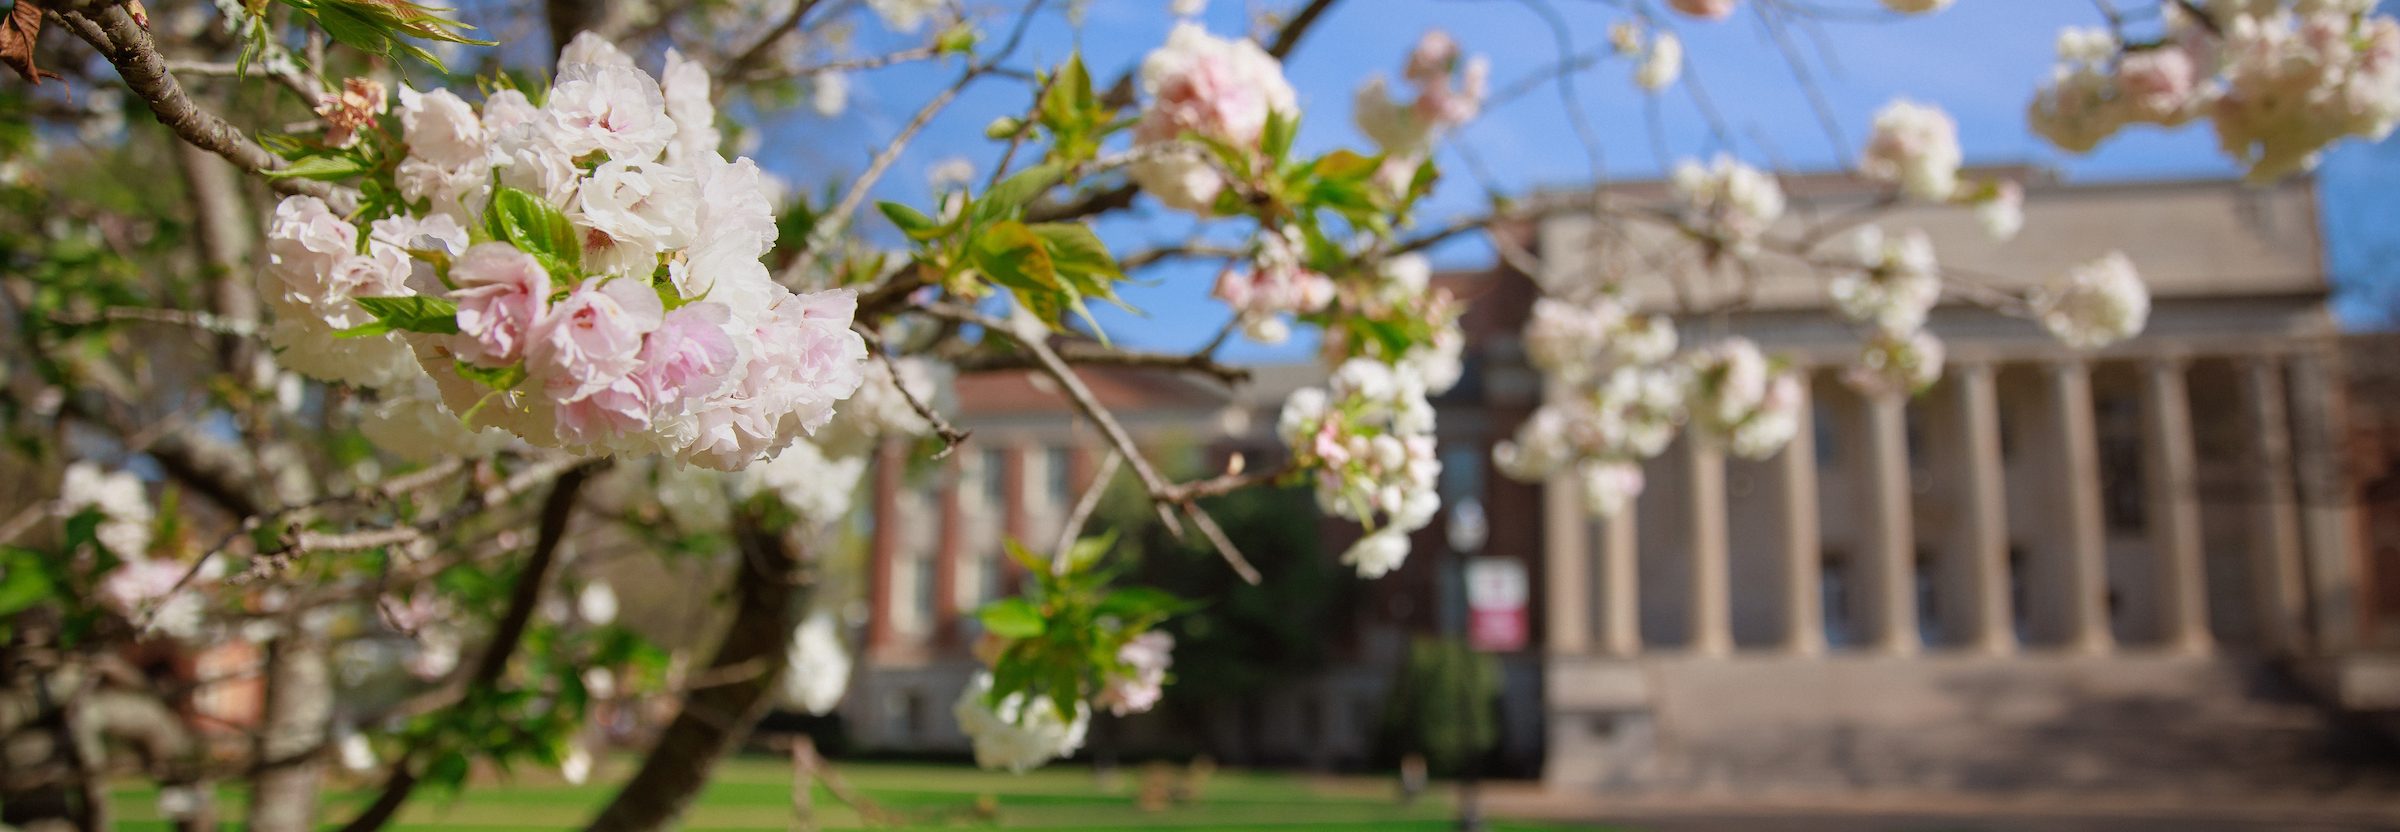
1496 595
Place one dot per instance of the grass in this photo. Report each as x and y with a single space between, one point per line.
754 793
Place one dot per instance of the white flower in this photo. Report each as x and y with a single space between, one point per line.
1894 364
818 488
950 173
1609 486
576 767
819 669
597 603
1729 200
607 108
1898 283
1378 553
2002 213
440 128
1277 284
357 754
1914 146
121 501
2095 304
829 93
685 86
1017 734
904 15
141 582
416 427
1662 63
1146 658
1222 89
632 211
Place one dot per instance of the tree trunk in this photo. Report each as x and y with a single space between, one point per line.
225 230
716 718
299 711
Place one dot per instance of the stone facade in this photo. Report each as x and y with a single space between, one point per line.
1921 593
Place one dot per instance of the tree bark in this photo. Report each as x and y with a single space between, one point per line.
299 712
716 718
223 221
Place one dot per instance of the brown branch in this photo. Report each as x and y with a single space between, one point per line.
715 719
127 46
1296 28
1081 352
557 509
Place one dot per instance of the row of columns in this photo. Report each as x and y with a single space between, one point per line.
2073 585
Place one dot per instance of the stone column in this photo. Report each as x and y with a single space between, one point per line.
948 551
2170 473
1566 567
1989 624
1017 517
1620 586
2275 524
2083 576
1803 545
883 548
1711 622
2325 514
1889 584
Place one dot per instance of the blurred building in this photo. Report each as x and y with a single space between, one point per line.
2144 566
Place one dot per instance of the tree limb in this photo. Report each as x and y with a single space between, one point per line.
715 718
127 46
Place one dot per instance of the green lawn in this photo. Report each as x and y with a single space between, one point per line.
755 794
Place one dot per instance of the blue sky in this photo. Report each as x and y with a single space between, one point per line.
1980 60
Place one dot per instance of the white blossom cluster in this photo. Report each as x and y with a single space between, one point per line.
818 670
1019 733
1146 658
1914 146
1732 202
1657 53
1744 399
1210 86
1401 288
138 581
671 338
2094 304
2279 79
1578 342
1897 285
1276 284
1369 436
1449 92
1601 432
119 499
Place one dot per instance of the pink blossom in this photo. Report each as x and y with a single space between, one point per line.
1430 62
2159 84
502 295
1704 9
688 357
620 409
1146 658
592 338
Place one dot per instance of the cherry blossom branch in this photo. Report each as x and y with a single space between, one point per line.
749 58
1084 506
1165 496
838 220
1078 352
111 30
950 435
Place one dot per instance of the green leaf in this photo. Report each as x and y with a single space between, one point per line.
1011 618
413 313
911 222
1011 194
1135 602
24 579
1075 250
497 378
1276 141
1345 165
533 226
320 168
1012 255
